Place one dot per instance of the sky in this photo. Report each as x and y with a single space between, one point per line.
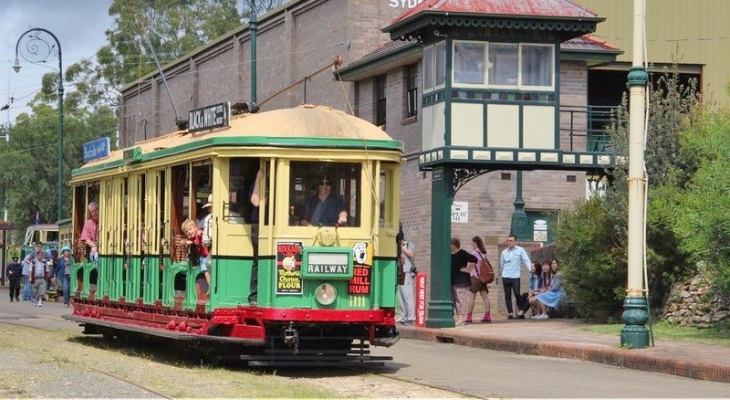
79 26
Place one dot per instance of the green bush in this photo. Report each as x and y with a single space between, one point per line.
592 239
591 253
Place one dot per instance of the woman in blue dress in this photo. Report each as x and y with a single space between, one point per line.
552 296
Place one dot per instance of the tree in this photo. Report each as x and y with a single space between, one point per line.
28 168
172 28
593 238
697 212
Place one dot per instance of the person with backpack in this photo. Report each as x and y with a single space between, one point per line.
477 286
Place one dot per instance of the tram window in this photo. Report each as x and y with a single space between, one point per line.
202 175
387 203
240 185
320 191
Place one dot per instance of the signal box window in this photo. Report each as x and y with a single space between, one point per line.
469 61
324 194
503 64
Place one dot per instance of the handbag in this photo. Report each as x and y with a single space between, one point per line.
486 272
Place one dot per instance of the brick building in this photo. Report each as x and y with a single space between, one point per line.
297 45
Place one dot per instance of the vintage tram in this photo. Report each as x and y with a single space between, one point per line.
302 291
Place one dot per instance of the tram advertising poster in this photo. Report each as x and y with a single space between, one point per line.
289 267
362 268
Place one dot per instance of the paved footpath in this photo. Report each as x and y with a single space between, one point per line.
563 338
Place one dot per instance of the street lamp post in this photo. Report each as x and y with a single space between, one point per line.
37 50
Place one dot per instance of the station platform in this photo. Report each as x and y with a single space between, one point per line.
566 338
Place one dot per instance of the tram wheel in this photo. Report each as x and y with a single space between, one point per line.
108 334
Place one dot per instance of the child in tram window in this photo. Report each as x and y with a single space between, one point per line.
195 237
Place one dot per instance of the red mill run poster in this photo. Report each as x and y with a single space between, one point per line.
289 268
362 271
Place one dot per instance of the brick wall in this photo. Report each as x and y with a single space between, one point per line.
304 38
293 44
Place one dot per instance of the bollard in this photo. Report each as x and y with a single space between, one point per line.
421 299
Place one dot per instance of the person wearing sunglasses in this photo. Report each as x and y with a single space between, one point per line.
324 208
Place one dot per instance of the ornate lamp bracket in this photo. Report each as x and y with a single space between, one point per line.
463 175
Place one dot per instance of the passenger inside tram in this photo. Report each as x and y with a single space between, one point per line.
324 194
324 208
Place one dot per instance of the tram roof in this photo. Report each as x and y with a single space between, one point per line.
303 126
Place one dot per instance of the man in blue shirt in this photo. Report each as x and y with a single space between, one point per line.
324 208
511 261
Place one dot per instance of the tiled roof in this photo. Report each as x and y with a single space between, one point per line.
588 43
532 8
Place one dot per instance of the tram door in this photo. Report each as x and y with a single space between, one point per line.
112 227
132 236
388 211
155 228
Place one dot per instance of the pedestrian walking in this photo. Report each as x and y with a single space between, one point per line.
480 252
40 262
26 280
63 273
14 272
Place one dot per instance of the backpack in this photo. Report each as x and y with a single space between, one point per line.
486 272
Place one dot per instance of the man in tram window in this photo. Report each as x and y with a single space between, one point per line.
90 233
324 208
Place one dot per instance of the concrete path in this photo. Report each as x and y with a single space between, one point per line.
564 338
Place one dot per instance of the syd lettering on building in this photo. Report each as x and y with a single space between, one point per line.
404 3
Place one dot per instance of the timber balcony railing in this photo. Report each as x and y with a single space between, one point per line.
587 127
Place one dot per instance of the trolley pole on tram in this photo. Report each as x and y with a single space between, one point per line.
37 50
253 24
635 334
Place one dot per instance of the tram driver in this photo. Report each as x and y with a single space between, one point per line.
324 208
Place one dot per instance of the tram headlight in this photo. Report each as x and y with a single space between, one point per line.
325 294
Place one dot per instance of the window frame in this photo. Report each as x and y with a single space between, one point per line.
431 56
380 88
410 84
520 54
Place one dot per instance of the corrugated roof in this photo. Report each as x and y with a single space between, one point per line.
532 8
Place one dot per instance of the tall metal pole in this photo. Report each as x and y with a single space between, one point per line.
635 334
39 49
253 24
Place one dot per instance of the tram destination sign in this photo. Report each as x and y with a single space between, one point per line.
331 263
209 117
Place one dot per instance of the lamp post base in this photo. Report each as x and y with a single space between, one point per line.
635 335
440 314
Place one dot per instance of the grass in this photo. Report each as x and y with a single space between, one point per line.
663 331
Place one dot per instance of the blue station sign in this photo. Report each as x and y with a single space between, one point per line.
96 149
